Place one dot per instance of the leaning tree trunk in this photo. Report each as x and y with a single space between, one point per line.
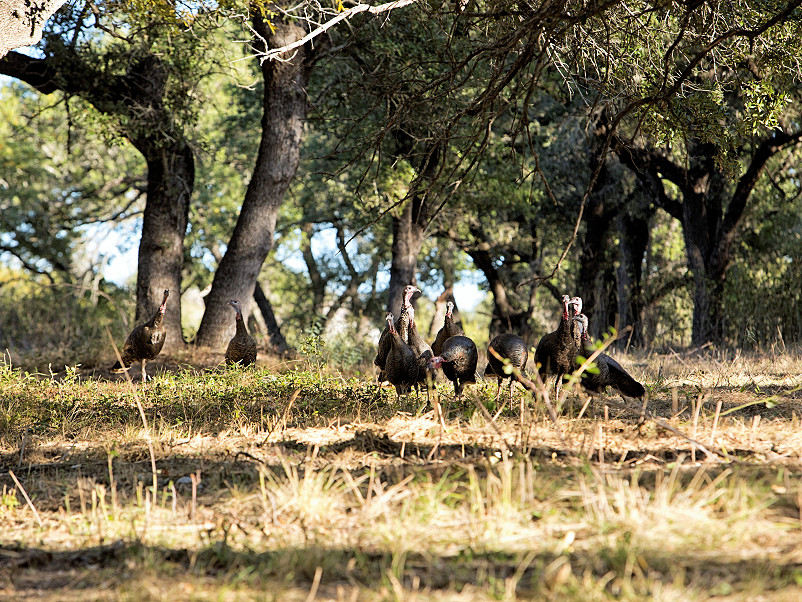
277 341
506 318
284 113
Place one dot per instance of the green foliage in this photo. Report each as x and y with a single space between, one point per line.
46 327
60 180
762 293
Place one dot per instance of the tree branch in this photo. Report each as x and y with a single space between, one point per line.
275 53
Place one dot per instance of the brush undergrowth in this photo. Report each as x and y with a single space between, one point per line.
309 483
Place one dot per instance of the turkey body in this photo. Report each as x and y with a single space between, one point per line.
241 348
448 330
144 342
556 352
384 339
609 372
424 353
401 367
458 359
510 347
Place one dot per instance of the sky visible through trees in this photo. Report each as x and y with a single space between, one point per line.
449 146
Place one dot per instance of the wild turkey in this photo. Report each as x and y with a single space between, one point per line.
384 339
424 353
609 372
448 330
241 348
556 352
145 342
510 347
458 359
401 367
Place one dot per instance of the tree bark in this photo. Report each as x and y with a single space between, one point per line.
596 279
505 317
161 247
315 278
277 340
708 229
634 234
409 226
407 242
284 114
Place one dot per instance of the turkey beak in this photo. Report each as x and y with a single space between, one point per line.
163 306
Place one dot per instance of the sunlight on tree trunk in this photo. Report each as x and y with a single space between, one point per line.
284 113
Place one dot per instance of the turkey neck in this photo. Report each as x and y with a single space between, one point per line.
241 330
403 329
157 320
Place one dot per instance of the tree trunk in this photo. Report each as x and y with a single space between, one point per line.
697 219
407 242
708 229
171 175
277 340
284 106
137 99
596 279
634 233
505 317
315 277
408 228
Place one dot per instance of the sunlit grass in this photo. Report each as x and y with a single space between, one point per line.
302 479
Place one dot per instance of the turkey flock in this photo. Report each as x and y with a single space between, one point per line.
408 362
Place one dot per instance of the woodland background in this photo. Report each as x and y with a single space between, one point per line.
312 159
644 156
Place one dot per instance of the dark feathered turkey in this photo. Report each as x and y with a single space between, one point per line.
556 352
384 338
609 372
241 348
448 330
458 359
424 353
512 348
401 367
145 341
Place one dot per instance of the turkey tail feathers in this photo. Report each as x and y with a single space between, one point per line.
624 383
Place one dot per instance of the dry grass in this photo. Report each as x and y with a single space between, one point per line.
289 483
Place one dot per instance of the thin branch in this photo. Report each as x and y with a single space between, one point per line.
274 53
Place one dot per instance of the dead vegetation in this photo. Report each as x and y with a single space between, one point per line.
296 482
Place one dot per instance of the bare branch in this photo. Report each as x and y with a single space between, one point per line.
275 53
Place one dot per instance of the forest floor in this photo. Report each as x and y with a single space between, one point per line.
296 482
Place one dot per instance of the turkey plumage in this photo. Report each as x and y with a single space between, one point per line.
511 348
241 348
401 367
458 359
556 352
144 342
448 330
607 372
